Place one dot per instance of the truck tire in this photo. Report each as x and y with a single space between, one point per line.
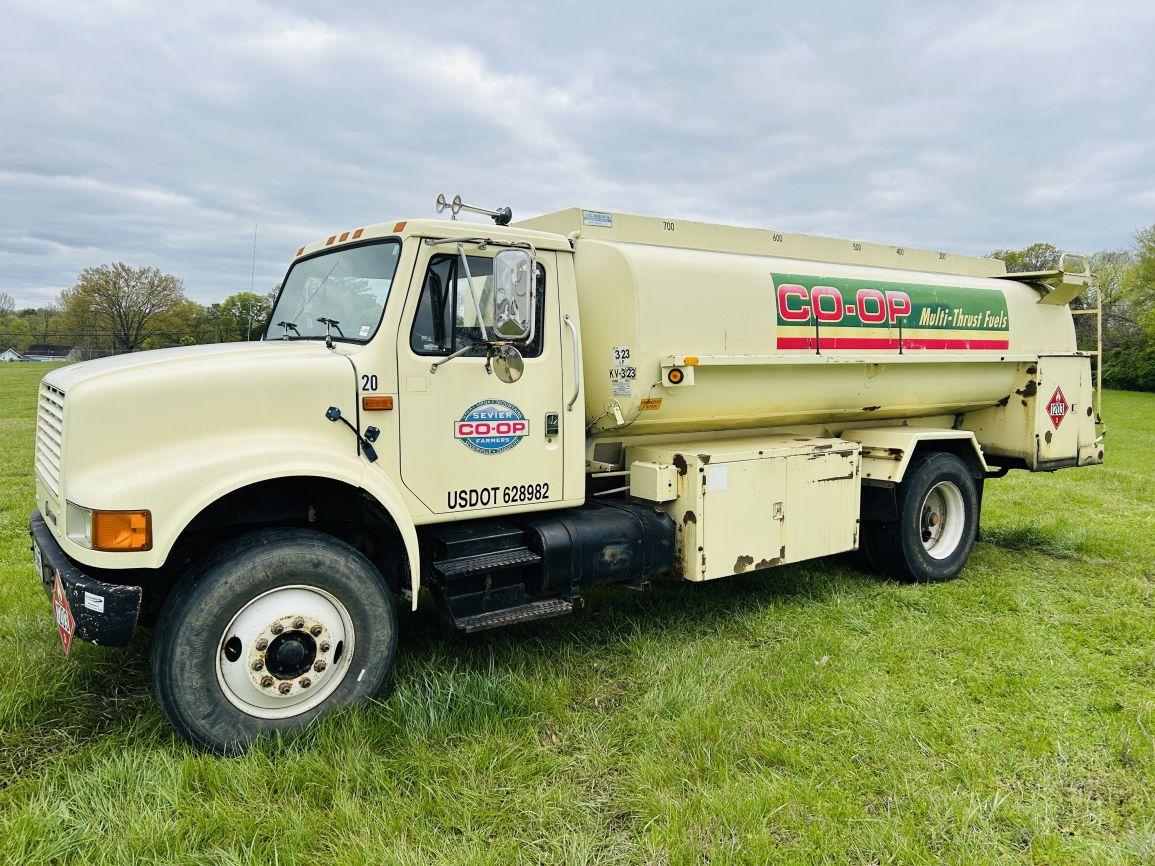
271 630
938 518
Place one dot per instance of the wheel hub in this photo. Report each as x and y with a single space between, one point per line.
285 651
290 654
943 519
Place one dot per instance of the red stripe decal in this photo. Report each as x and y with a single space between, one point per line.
884 343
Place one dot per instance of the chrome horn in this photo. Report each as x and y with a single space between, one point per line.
501 216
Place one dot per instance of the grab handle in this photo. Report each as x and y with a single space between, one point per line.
576 363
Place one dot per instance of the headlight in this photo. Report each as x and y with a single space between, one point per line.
78 524
109 530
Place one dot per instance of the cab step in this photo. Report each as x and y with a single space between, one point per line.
486 563
543 609
454 540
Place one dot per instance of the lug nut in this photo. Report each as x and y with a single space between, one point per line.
258 664
285 688
298 623
319 665
277 628
262 645
306 682
266 681
324 646
315 631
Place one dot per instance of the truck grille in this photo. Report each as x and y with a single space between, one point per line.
49 435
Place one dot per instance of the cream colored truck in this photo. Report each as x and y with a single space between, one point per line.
505 415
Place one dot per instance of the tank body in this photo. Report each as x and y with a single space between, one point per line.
763 340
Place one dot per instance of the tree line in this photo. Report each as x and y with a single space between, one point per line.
1125 280
118 308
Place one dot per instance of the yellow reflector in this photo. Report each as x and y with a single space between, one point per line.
376 404
121 530
691 360
400 227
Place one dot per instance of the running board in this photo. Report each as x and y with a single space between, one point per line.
485 563
522 613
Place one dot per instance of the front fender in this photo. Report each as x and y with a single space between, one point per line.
175 490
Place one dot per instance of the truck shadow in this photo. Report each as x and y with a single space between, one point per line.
668 609
103 692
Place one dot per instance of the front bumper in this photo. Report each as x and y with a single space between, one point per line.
105 613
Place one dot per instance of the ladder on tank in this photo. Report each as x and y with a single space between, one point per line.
1097 352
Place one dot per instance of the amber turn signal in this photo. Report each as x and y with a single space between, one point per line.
121 530
376 404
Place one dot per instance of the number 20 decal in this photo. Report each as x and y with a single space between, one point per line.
368 381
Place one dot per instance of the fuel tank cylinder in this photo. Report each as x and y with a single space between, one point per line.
689 326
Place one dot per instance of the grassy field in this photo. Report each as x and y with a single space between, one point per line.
807 714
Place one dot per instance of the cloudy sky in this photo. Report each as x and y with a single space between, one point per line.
157 134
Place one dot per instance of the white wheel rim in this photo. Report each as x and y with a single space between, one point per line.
943 518
304 625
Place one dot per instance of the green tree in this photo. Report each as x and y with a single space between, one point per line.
121 304
1125 280
1036 257
248 312
1141 286
15 332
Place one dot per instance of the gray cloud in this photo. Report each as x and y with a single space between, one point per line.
160 135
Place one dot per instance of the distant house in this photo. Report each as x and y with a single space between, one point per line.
50 352
10 355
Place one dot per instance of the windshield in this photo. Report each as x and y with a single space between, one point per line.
348 286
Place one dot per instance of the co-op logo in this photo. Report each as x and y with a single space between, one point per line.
491 426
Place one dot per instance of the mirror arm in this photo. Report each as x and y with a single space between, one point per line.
433 367
472 293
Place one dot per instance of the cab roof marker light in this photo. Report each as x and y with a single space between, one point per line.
358 233
300 252
344 237
400 227
329 242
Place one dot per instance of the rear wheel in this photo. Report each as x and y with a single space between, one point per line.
938 517
269 632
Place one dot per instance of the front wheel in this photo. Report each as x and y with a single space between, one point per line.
270 631
938 518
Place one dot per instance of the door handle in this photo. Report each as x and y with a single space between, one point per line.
576 364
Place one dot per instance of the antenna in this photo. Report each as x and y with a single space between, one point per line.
501 216
253 272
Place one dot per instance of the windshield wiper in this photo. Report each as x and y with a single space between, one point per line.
331 323
285 326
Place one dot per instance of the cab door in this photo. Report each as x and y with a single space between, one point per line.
470 443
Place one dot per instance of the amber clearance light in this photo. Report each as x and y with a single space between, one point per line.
371 403
121 530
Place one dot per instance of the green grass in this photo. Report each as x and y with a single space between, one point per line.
810 713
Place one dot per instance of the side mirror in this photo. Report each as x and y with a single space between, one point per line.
507 363
514 291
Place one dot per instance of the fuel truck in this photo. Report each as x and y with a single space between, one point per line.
504 415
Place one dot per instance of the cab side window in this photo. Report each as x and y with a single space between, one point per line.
446 318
